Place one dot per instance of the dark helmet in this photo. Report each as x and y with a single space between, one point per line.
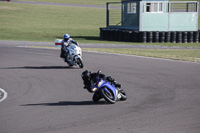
86 75
66 37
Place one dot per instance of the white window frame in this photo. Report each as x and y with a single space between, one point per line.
154 7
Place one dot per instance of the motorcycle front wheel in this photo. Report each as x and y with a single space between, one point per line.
108 95
123 95
80 63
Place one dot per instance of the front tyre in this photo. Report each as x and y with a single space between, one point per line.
123 95
80 63
108 95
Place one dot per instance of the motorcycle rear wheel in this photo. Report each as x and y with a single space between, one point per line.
109 97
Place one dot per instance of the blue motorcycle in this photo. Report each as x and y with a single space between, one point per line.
107 90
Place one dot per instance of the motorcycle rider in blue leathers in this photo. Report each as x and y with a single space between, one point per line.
90 78
65 44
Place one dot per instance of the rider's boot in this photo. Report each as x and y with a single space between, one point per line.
96 97
66 60
62 55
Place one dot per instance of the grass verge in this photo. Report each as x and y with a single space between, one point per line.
82 2
46 23
192 55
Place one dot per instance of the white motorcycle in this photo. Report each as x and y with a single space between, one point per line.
74 56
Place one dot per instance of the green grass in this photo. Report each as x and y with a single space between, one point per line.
46 23
84 2
28 22
185 0
192 55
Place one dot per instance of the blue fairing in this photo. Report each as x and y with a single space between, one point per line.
109 86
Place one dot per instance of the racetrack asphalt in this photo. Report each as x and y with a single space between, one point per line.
47 96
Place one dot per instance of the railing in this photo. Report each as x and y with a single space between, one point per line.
184 6
114 10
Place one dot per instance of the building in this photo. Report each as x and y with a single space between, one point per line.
152 16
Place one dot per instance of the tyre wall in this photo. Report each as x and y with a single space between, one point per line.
149 37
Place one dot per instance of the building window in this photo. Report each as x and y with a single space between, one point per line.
148 7
160 7
131 7
154 7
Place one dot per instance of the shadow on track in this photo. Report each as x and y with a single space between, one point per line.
66 103
42 67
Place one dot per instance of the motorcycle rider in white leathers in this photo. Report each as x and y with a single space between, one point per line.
65 44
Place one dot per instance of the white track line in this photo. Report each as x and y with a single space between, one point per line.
4 95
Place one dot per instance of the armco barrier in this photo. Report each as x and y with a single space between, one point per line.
121 35
161 37
111 35
179 37
196 37
149 36
143 37
156 37
173 37
129 36
167 37
184 37
102 34
117 35
136 36
190 37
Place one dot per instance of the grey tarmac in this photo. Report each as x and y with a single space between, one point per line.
47 96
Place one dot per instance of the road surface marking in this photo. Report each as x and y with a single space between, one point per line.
4 95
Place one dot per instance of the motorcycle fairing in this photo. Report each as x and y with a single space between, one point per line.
110 87
75 53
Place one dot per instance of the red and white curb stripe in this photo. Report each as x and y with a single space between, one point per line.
4 95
